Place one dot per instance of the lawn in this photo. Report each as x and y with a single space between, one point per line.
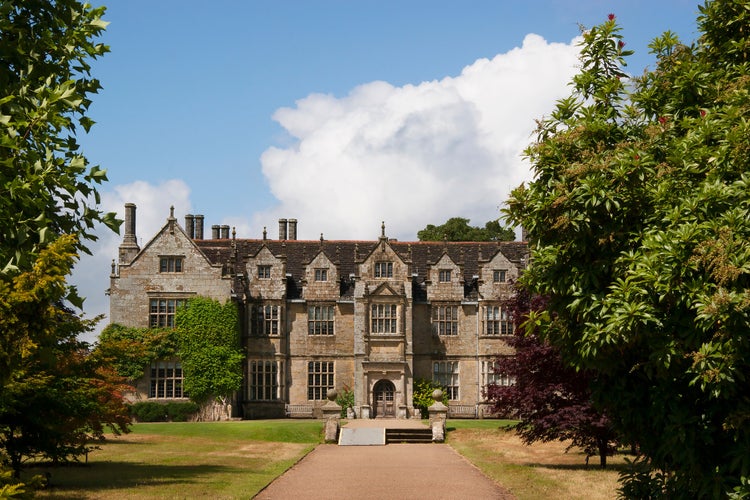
542 470
188 460
238 459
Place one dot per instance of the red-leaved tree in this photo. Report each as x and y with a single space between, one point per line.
551 400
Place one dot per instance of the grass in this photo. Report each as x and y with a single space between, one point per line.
187 460
238 459
542 470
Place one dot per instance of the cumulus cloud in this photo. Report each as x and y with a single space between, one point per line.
416 154
91 274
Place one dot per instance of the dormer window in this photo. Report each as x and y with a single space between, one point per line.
500 276
264 272
170 264
384 269
444 276
321 275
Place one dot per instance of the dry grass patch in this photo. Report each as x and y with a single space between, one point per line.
203 460
542 470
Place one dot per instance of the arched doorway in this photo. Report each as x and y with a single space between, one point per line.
383 395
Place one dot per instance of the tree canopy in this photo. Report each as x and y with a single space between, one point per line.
458 229
56 400
551 400
46 185
638 220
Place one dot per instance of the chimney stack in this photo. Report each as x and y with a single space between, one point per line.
224 232
129 247
292 229
198 227
215 232
190 226
282 229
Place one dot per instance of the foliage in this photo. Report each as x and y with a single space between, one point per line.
129 350
551 399
55 398
10 487
208 339
345 399
173 411
46 188
638 220
458 229
422 399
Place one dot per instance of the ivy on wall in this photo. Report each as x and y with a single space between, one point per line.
206 339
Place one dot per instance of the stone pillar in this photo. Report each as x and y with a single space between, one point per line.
332 416
438 415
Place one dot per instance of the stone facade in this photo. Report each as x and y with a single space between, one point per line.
369 316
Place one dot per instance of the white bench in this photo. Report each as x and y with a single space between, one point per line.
462 411
298 411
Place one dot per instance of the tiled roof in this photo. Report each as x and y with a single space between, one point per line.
348 254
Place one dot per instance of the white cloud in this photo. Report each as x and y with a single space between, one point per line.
416 154
410 156
91 274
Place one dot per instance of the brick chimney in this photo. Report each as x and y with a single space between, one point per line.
129 247
292 229
215 231
282 229
224 232
190 225
198 227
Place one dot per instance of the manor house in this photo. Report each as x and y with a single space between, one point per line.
370 316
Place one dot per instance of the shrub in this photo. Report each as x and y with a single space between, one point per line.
422 400
174 411
345 400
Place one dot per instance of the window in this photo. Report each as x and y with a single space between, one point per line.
320 320
445 320
265 380
170 264
497 321
490 375
162 311
264 272
445 373
166 380
383 318
444 276
499 276
319 379
321 275
267 320
384 269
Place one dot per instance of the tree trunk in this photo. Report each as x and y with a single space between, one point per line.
602 442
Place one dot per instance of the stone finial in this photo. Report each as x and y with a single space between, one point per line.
332 394
265 233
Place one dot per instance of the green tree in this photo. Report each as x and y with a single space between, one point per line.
55 399
458 229
209 347
46 186
639 227
129 350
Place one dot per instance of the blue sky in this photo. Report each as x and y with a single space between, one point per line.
338 113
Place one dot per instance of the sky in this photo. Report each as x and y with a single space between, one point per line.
340 113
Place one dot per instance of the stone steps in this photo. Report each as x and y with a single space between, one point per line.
408 436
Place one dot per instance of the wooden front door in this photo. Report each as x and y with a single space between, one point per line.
383 394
